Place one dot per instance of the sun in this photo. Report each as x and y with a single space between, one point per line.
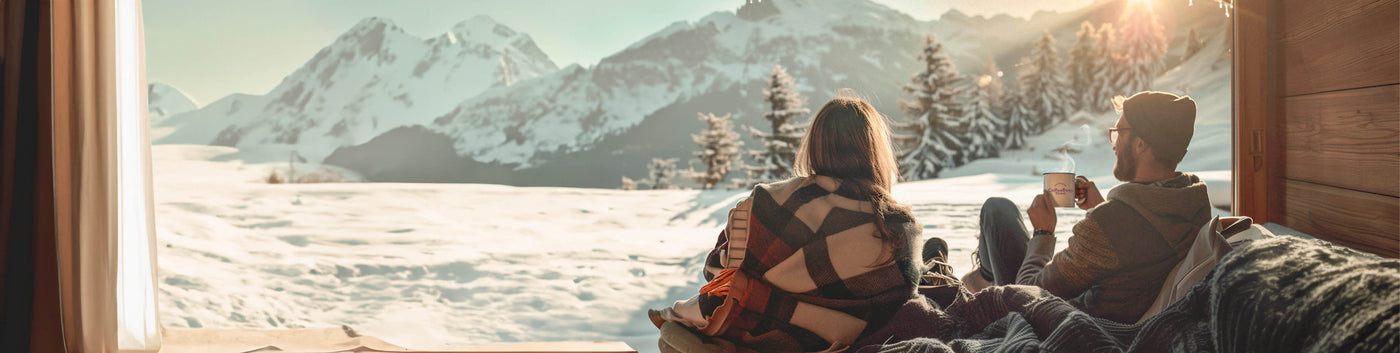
1141 4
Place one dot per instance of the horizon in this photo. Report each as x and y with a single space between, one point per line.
204 53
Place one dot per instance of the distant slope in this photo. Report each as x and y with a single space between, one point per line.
414 154
164 100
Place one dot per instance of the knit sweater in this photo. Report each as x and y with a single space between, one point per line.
1122 251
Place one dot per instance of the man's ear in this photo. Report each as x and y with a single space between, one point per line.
1140 148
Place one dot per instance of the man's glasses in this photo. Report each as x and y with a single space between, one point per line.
1113 134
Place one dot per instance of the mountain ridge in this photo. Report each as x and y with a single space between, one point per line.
594 124
370 79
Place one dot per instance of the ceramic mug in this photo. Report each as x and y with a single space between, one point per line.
1060 188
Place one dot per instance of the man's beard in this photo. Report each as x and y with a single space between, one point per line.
1125 169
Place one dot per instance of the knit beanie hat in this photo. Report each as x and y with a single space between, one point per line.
1163 120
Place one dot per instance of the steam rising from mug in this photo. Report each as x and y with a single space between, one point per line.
1067 163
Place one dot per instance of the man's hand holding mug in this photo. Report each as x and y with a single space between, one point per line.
1086 193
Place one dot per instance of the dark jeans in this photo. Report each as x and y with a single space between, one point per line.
1002 244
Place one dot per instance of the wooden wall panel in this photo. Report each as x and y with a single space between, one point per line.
1334 45
1360 220
1349 139
1339 89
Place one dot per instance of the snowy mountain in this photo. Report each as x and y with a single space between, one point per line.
588 126
165 100
577 108
373 78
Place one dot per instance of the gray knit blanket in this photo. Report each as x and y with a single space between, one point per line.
1281 294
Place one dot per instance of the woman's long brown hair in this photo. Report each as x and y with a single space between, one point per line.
849 140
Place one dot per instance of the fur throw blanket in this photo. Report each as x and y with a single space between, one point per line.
1281 294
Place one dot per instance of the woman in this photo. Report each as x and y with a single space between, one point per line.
813 262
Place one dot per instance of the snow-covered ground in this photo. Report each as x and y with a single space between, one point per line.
419 263
428 264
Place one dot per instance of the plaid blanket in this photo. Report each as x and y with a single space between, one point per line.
812 276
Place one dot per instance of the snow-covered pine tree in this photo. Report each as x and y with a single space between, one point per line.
660 172
774 160
1020 122
999 93
1107 70
1043 84
785 108
719 147
930 140
1194 43
1141 46
985 128
1083 57
996 90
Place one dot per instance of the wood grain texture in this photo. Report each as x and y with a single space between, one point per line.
1334 45
1348 139
1257 77
1364 221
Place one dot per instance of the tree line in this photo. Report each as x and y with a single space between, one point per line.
952 119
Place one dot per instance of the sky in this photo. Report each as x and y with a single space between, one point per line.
212 48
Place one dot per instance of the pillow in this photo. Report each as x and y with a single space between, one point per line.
1205 252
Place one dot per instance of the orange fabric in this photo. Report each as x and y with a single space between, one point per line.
85 175
720 285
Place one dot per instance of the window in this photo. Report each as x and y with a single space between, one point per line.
463 173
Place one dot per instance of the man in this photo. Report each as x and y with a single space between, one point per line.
1120 254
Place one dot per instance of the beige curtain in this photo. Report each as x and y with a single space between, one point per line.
102 178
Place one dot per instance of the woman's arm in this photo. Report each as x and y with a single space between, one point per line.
731 247
712 263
